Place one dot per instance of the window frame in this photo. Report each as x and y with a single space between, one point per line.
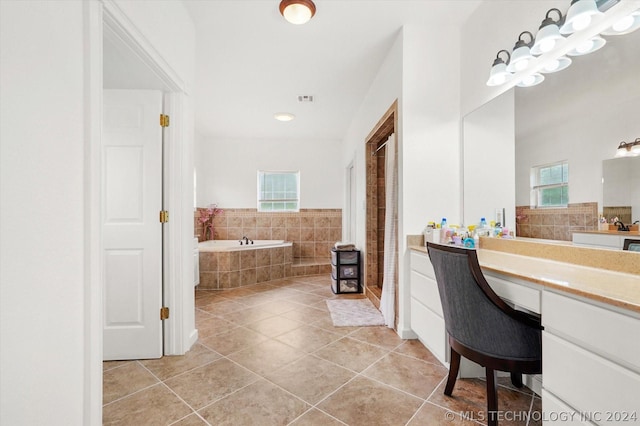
261 191
537 188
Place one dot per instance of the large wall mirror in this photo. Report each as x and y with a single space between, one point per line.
579 115
621 188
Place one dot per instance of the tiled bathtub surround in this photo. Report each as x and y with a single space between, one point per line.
556 224
231 269
312 231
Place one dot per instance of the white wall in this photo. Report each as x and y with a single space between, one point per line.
41 218
168 27
227 169
495 25
385 89
422 74
44 198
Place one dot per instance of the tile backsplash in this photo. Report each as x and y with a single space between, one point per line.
556 223
312 231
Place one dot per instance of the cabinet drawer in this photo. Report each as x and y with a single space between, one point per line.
430 329
611 334
586 381
425 290
518 294
344 271
344 286
346 257
613 241
557 412
420 262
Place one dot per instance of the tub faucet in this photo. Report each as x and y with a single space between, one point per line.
246 240
621 226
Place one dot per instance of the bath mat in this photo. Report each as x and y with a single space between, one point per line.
354 313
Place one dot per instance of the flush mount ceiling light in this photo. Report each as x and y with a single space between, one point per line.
521 54
588 46
628 149
297 11
499 74
531 80
556 65
626 25
283 116
579 16
548 35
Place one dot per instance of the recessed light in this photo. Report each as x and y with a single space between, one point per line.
283 116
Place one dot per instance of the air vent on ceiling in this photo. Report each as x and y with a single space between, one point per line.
305 98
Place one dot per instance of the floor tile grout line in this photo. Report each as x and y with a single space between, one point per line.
436 388
194 411
124 364
131 394
194 368
285 297
457 414
533 396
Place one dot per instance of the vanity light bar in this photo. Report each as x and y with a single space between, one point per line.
550 41
628 149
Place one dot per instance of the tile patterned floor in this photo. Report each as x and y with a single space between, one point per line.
268 354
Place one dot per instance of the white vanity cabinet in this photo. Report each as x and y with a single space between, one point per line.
426 310
604 240
591 359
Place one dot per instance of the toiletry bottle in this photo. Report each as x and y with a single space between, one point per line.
443 224
428 232
483 222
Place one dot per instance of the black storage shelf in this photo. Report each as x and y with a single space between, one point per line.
346 271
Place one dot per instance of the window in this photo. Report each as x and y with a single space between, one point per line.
278 191
550 185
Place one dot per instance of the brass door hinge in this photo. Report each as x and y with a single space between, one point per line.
164 120
164 216
164 313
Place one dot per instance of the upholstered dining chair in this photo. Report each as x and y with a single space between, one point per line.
481 326
631 244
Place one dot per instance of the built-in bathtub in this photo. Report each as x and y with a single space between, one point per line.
229 264
234 245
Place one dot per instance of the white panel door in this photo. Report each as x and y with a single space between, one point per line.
132 233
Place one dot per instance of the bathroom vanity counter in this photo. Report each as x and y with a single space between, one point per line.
620 289
589 303
613 232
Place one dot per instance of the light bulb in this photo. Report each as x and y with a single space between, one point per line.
585 47
552 66
297 14
499 79
623 24
581 22
547 45
520 65
528 80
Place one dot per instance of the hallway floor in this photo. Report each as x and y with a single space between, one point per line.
268 354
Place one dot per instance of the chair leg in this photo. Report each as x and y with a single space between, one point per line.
516 380
454 366
492 398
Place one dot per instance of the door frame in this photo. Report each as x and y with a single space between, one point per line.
350 204
97 16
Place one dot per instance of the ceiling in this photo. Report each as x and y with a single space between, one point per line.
251 63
